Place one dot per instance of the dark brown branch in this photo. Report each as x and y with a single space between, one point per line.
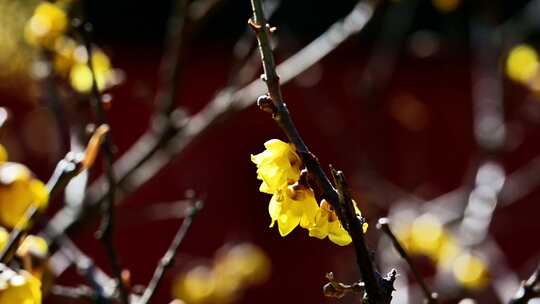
170 68
431 297
529 289
377 289
167 259
106 230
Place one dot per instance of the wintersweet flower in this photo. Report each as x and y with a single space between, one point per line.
18 287
80 75
3 154
470 271
277 166
327 224
18 191
293 206
48 22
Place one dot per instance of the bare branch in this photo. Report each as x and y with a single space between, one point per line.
167 259
431 297
106 230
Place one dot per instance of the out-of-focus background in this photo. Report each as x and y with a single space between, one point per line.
402 107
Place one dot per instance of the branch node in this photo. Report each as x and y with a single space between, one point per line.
264 102
254 25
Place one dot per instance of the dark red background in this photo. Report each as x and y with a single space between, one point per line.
330 115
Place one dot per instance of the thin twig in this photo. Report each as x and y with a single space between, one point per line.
431 297
168 258
170 68
340 199
79 293
106 230
529 289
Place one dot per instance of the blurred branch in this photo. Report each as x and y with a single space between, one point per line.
79 293
168 259
106 229
169 69
431 297
340 199
529 289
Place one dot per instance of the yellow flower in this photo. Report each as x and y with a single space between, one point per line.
3 154
18 191
33 246
425 235
292 207
277 166
470 271
244 262
327 224
48 23
19 287
80 75
196 286
64 55
522 63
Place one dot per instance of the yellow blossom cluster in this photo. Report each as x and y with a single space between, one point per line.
18 287
292 203
233 269
19 191
47 29
427 236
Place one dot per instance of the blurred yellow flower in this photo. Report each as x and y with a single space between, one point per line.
80 75
446 6
277 166
470 271
196 286
64 57
327 224
48 22
292 207
522 63
18 191
425 235
245 262
234 269
19 287
3 154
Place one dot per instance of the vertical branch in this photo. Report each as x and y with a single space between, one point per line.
378 290
168 258
381 290
169 69
106 230
431 297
